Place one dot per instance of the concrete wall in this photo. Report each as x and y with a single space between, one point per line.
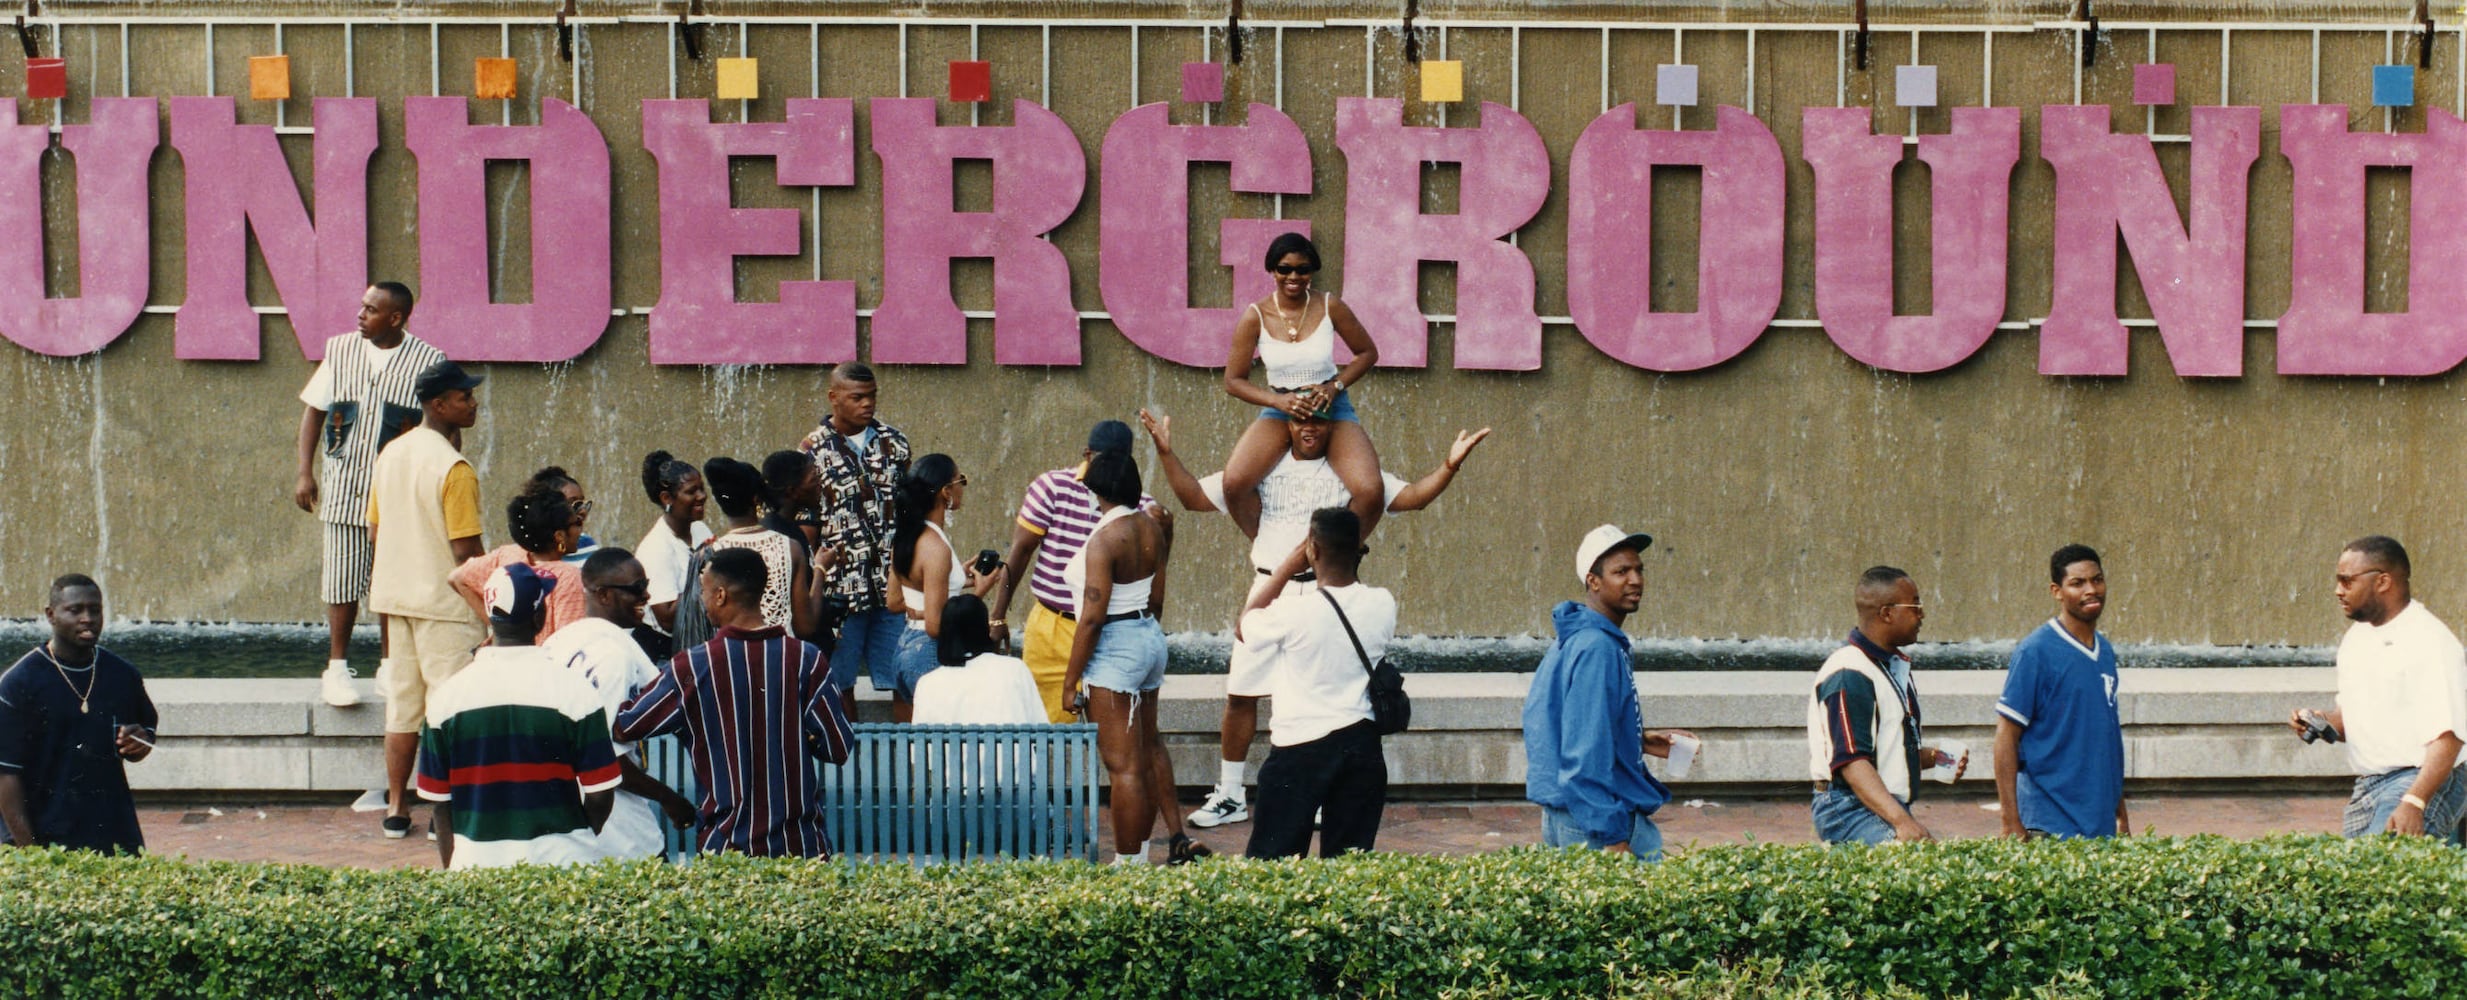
2182 726
1770 480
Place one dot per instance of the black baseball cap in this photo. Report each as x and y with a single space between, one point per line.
1110 435
443 377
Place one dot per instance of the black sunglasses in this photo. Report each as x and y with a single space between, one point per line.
1291 269
638 588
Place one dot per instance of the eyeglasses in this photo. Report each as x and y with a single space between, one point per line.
1289 269
2345 580
961 481
638 588
582 508
1920 608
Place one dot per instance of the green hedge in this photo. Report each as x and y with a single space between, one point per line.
2143 917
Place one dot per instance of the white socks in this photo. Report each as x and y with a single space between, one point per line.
1229 779
1140 858
331 664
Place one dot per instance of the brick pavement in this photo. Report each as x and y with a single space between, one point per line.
334 836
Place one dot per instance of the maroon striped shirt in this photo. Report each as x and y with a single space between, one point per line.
754 705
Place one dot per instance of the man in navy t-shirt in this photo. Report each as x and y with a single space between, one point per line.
2059 744
71 716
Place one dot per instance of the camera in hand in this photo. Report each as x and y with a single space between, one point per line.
2317 729
988 561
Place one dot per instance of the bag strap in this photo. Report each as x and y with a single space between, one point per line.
1349 633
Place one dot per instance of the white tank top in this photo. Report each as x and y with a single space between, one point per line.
1294 364
1127 597
958 583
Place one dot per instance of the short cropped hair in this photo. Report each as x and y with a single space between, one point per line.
2384 553
854 371
740 572
604 563
399 292
2066 557
67 581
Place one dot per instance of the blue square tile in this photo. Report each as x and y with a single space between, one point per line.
2394 86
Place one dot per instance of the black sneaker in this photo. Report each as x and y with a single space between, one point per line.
397 827
1182 850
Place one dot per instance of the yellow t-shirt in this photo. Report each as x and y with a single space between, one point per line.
461 497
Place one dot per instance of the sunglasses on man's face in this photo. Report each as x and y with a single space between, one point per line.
639 588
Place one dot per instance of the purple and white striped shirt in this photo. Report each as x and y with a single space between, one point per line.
1061 509
753 704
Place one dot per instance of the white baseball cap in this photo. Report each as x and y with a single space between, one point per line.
1603 541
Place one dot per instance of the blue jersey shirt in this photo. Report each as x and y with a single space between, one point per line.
1584 731
2072 747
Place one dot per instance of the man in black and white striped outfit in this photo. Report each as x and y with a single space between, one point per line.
359 399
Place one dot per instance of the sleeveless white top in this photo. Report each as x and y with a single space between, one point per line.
1127 597
779 563
1294 364
958 582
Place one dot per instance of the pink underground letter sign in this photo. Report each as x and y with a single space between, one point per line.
2326 330
1971 171
570 275
1610 225
1505 171
237 181
1144 241
698 319
112 227
1039 174
2192 273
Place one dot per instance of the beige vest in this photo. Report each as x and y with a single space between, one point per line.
413 554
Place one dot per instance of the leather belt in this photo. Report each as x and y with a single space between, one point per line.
1128 616
1306 576
1066 616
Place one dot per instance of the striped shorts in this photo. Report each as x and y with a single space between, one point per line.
348 559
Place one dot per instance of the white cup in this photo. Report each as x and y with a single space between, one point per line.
1959 751
1682 754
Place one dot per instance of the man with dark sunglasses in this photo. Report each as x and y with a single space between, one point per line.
601 646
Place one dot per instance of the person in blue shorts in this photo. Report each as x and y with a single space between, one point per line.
2059 743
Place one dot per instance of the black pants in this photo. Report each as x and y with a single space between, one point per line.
1342 776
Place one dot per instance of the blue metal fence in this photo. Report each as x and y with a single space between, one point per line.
923 794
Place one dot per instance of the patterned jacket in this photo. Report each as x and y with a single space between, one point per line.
857 490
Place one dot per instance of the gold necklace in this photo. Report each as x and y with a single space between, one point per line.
1293 327
83 698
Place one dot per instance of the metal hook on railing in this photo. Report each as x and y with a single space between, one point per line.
2090 35
1233 34
25 35
1860 46
690 30
2424 36
565 32
1413 35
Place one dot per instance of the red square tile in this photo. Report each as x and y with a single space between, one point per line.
47 79
972 80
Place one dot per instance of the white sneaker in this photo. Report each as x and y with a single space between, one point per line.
340 692
1219 810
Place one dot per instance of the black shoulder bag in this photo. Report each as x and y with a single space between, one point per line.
1391 708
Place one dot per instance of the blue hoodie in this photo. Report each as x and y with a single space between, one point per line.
1584 733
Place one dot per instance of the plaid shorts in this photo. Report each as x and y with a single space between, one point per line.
348 558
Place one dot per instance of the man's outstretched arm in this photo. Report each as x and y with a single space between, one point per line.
1425 491
1185 486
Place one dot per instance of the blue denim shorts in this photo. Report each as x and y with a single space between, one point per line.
1559 829
1129 657
1341 410
2376 796
870 639
1842 819
916 658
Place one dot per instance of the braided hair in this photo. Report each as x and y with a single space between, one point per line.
535 517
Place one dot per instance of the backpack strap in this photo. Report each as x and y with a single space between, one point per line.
1349 633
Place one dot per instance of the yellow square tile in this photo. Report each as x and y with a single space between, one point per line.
739 79
493 79
1443 81
269 78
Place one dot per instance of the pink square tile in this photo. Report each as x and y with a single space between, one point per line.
2154 83
1203 82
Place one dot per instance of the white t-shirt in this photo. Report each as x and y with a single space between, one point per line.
2401 685
1320 684
664 559
319 393
991 690
1287 496
615 665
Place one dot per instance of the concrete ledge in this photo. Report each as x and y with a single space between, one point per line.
2191 724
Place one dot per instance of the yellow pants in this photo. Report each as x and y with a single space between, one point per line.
1047 648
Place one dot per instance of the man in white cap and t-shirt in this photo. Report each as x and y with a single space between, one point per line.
1584 760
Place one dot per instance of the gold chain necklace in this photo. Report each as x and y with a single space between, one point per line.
1293 327
82 698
